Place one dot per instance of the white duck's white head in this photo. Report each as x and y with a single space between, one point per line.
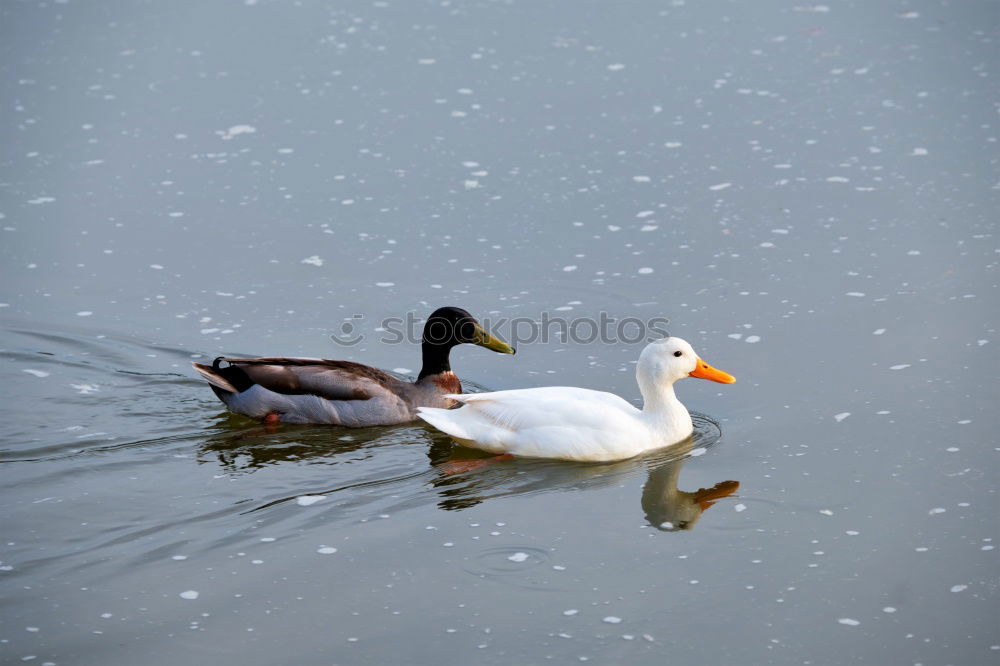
665 361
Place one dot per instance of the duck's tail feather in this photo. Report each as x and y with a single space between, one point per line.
212 376
444 420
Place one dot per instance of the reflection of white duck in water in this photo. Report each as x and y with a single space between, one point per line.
572 423
669 508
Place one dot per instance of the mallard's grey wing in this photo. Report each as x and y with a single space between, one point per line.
332 380
303 390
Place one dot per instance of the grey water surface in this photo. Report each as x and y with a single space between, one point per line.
808 192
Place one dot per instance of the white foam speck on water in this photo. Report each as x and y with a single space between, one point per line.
641 179
852 533
616 67
518 557
964 422
959 588
41 200
189 594
235 131
856 294
753 338
720 186
36 373
313 260
84 313
427 61
268 539
156 267
85 389
888 609
740 507
700 451
899 367
953 449
838 179
644 214
936 510
673 144
767 244
735 336
448 544
308 500
850 622
571 611
402 371
568 269
841 416
326 550
878 331
611 619
919 152
645 270
385 284
614 227
179 558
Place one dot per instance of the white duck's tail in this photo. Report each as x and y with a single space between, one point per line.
445 420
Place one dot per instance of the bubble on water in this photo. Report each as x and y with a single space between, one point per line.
189 594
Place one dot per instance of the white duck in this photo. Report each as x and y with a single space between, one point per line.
580 424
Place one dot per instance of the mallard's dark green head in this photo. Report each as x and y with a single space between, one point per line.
450 326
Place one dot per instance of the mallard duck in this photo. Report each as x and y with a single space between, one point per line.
580 424
310 390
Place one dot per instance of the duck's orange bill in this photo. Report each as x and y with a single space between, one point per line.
706 497
705 371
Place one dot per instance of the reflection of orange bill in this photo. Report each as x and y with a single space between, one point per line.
705 497
705 371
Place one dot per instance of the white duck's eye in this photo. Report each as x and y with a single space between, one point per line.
678 353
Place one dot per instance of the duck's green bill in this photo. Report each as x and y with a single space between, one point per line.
484 339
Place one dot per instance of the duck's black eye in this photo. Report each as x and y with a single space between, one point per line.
677 353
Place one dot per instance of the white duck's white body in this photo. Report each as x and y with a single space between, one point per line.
580 424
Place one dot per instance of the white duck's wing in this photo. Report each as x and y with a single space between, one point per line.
550 422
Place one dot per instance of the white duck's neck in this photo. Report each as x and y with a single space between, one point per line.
659 402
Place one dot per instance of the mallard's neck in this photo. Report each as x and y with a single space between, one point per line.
435 359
